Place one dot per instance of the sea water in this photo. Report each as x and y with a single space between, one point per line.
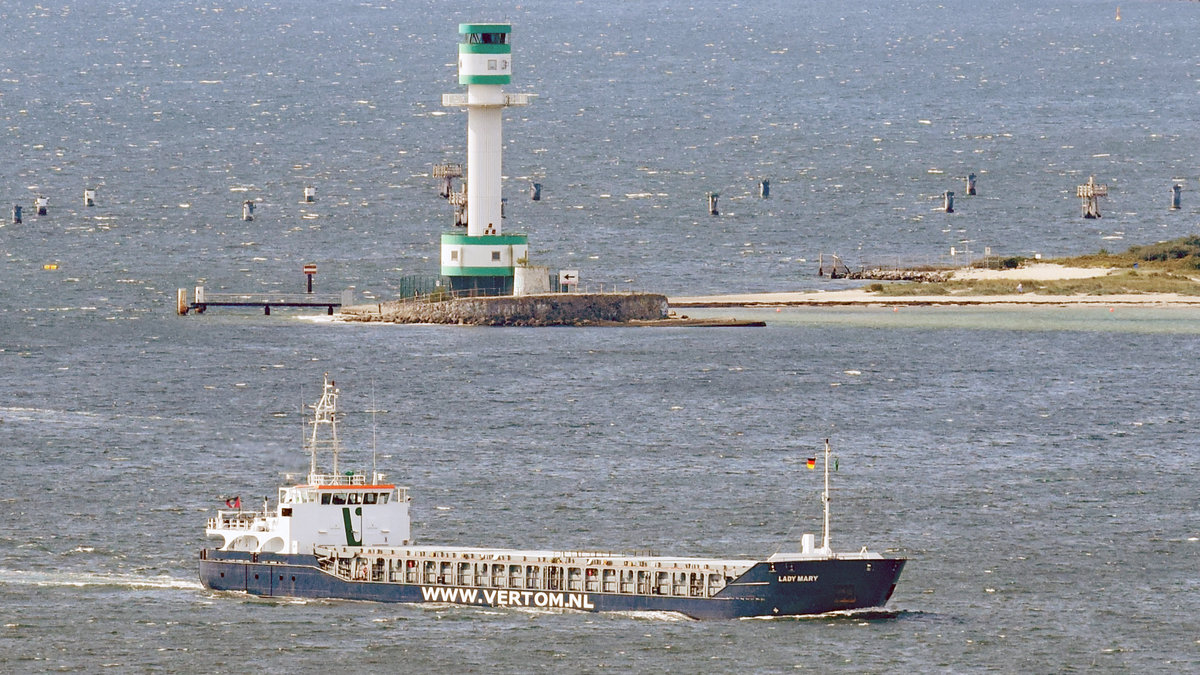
1036 465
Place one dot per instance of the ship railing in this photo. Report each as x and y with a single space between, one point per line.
235 520
339 479
442 294
273 298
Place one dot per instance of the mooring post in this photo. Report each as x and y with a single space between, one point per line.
1091 194
1176 190
948 201
764 188
712 203
89 197
248 210
535 192
310 194
40 204
970 184
16 214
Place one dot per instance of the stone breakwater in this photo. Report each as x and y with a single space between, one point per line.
880 274
557 309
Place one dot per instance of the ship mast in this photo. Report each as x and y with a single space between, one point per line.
324 414
825 499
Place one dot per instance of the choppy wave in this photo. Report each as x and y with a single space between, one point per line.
85 579
866 614
646 615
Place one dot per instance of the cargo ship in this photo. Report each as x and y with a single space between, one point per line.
347 535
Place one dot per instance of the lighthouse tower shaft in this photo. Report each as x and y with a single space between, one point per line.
483 260
483 161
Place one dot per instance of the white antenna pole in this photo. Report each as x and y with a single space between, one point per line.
825 499
312 447
374 472
333 423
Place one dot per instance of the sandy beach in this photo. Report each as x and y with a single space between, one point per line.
1029 274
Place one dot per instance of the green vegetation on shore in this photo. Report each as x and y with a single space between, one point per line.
1178 255
1119 283
1165 267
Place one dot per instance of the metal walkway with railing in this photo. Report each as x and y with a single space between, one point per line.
202 300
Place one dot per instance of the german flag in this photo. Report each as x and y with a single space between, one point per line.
811 463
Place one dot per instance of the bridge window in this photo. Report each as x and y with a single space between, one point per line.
354 496
486 38
339 498
325 498
370 497
383 497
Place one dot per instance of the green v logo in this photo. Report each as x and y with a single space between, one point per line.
351 539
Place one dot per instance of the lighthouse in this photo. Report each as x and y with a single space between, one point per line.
483 260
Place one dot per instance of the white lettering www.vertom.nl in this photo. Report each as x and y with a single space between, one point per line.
472 596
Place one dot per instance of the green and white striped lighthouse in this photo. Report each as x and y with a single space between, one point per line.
484 258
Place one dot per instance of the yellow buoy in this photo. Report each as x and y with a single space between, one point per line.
50 266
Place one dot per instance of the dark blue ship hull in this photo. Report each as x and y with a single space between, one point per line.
766 589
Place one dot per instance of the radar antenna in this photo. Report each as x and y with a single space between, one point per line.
324 415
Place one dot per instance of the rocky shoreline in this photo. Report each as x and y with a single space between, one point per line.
557 309
921 276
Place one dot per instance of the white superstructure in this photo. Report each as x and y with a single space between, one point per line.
328 509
